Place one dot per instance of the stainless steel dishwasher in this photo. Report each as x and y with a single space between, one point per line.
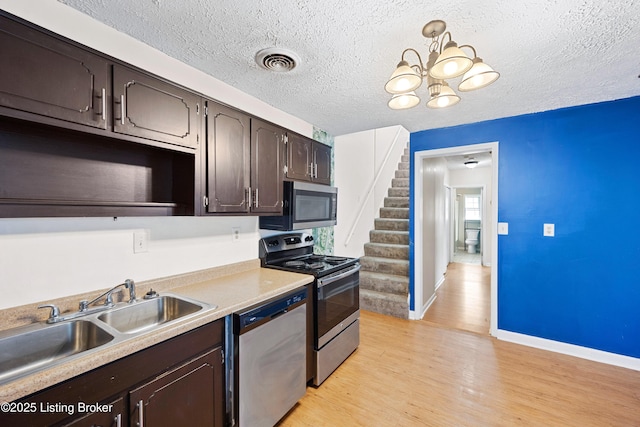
270 348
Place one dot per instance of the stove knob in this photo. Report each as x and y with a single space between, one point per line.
308 238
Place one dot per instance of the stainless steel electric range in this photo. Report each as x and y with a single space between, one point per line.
335 296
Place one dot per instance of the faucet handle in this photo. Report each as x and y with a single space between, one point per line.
55 312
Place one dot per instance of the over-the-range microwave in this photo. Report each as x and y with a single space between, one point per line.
305 205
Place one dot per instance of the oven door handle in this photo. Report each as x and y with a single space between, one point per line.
329 280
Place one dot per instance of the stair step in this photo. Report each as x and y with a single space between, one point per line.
386 250
398 267
398 192
389 236
388 283
391 224
402 173
406 151
405 158
404 166
396 202
400 182
399 213
389 304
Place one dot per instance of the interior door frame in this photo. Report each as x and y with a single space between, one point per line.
416 280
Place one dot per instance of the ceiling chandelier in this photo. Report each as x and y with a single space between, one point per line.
446 61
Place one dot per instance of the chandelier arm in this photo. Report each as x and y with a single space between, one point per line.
475 54
442 43
420 65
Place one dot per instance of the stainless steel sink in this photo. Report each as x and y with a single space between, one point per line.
25 350
147 314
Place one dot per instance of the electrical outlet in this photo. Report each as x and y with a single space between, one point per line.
140 241
235 234
549 230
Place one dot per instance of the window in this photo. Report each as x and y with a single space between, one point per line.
472 208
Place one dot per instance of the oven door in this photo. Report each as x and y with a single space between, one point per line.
337 299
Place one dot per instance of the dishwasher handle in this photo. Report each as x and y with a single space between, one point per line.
279 313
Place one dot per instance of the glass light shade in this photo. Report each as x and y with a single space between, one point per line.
447 98
404 79
402 101
479 76
452 62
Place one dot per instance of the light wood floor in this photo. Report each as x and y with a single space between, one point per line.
420 373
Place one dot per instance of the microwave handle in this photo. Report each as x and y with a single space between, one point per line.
329 280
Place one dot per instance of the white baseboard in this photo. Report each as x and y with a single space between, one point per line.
570 349
440 282
414 315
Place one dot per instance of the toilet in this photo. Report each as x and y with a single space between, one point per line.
471 240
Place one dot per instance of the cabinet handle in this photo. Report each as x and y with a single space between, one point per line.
140 406
247 197
122 110
255 202
104 104
118 420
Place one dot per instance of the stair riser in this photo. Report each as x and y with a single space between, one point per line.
397 213
396 202
387 267
382 306
402 174
398 192
389 224
404 166
387 251
389 285
377 236
405 158
400 182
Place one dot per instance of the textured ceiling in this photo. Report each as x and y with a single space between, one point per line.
550 53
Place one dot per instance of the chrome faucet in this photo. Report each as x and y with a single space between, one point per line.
108 296
55 316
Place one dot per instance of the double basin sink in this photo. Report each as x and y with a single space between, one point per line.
32 348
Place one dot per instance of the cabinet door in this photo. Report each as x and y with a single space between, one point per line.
267 167
113 416
321 163
43 75
190 395
228 159
299 157
148 107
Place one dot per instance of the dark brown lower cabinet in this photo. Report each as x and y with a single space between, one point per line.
179 382
182 397
112 416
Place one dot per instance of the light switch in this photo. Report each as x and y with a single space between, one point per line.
549 230
503 228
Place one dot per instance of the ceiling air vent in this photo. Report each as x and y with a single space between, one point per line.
277 59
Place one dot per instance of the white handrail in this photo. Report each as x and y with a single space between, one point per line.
372 187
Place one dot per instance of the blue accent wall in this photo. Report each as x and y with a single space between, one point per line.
577 168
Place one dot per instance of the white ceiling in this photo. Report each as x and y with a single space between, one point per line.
550 53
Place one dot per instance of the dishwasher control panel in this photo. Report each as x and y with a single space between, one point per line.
256 315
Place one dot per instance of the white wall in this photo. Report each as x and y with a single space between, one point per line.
42 259
434 257
360 158
478 177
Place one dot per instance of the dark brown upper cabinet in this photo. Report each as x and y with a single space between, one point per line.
267 166
46 76
147 107
228 160
308 160
244 163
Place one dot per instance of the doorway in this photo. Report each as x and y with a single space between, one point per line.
424 232
467 225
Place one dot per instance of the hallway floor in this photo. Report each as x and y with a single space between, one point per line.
463 301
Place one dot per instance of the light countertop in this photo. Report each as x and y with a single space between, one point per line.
231 288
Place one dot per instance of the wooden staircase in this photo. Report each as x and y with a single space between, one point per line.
384 277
